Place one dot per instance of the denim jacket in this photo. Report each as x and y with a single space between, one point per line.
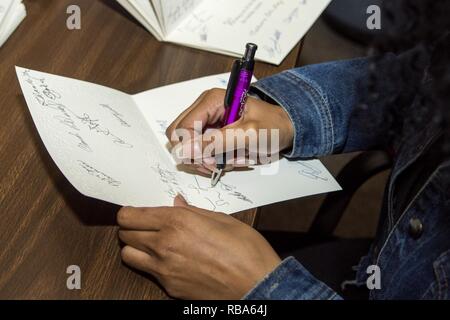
321 101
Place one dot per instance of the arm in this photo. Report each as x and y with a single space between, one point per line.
321 102
317 103
199 254
291 281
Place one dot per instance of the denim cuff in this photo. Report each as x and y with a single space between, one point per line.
308 108
291 281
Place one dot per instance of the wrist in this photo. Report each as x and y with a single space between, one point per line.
286 130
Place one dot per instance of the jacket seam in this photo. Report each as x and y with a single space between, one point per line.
295 118
322 107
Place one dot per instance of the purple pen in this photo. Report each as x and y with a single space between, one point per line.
236 96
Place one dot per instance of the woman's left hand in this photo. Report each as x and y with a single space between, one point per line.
195 253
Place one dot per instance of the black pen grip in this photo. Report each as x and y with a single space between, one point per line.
232 82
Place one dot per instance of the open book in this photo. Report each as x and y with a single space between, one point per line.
225 26
12 12
112 146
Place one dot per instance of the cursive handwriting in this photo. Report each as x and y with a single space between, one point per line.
49 98
170 179
249 10
274 48
94 125
310 171
265 17
294 14
217 197
116 115
98 174
175 11
81 143
198 25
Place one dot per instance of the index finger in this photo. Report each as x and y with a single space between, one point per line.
208 109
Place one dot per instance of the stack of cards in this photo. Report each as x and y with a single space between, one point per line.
12 12
225 26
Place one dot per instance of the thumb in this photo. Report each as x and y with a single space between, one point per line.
179 201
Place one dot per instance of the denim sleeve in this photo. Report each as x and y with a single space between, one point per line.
320 100
291 281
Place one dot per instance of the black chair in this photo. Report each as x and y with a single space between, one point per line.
319 249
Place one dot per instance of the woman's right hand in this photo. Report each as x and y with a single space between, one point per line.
197 137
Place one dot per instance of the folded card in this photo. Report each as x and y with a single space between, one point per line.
225 26
12 12
112 146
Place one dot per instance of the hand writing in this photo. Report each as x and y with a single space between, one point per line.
202 141
195 253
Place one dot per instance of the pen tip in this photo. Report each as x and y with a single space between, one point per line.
215 176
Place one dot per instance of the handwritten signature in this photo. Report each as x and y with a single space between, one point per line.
215 196
81 143
274 48
98 174
310 171
116 115
94 125
47 97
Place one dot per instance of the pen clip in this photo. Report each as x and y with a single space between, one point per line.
234 76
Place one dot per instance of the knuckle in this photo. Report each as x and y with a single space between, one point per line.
215 93
157 243
166 250
163 273
173 219
171 238
167 246
251 125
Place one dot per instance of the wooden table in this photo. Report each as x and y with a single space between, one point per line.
46 225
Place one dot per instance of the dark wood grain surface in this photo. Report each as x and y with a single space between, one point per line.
45 224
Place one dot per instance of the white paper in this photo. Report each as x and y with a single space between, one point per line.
175 11
225 26
12 12
139 12
156 5
111 146
4 7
